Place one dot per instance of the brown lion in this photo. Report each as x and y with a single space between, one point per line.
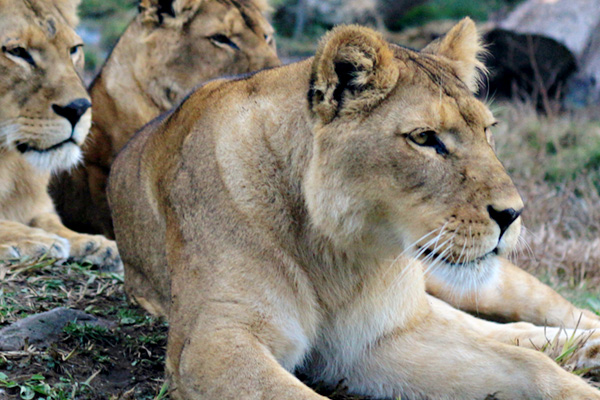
45 116
168 49
287 221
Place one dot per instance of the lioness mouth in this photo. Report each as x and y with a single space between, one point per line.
430 255
25 147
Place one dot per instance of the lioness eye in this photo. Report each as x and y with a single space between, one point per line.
429 139
490 138
75 49
19 52
220 39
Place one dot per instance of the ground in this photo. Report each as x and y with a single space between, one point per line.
87 362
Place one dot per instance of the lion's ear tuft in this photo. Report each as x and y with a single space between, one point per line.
353 71
68 9
462 45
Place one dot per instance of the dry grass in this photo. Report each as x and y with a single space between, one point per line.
555 163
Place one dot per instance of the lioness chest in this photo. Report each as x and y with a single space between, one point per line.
22 189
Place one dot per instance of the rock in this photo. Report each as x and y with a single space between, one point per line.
547 48
41 330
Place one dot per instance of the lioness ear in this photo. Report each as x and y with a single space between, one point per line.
155 11
68 9
352 72
463 47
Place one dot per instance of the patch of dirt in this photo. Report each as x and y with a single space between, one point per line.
87 362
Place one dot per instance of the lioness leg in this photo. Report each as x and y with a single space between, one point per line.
92 248
439 357
515 295
232 360
528 335
18 240
234 365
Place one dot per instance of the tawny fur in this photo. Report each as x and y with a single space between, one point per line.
165 52
280 222
34 138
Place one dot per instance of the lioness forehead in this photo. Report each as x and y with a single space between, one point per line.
33 22
453 103
251 13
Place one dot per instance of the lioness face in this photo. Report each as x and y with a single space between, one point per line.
206 39
45 110
429 171
418 169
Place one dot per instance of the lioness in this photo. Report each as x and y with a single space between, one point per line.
45 116
168 49
284 221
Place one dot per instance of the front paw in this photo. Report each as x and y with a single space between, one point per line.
588 357
97 250
33 243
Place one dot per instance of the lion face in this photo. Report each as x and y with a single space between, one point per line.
45 110
403 155
195 40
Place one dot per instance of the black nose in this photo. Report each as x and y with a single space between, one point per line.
504 218
73 111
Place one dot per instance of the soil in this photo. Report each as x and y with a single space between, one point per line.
125 362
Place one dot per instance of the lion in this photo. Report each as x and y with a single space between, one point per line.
44 119
287 221
168 49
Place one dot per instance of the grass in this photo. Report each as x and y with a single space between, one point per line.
553 161
88 362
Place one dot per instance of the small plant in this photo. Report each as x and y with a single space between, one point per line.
36 387
164 392
84 333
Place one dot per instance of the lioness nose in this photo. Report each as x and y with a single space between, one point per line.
504 218
73 111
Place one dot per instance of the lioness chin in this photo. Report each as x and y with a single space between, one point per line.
45 116
285 221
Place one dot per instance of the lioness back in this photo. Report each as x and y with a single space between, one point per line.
218 105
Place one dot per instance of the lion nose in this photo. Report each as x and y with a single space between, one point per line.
73 111
504 218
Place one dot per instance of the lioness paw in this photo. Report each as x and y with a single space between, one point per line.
33 244
98 250
589 355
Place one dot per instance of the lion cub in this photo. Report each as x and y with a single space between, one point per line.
45 116
168 49
286 221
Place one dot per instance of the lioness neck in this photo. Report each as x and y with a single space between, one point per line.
22 188
264 157
121 105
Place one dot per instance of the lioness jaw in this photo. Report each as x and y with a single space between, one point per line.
283 221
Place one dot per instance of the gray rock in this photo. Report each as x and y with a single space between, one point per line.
41 330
